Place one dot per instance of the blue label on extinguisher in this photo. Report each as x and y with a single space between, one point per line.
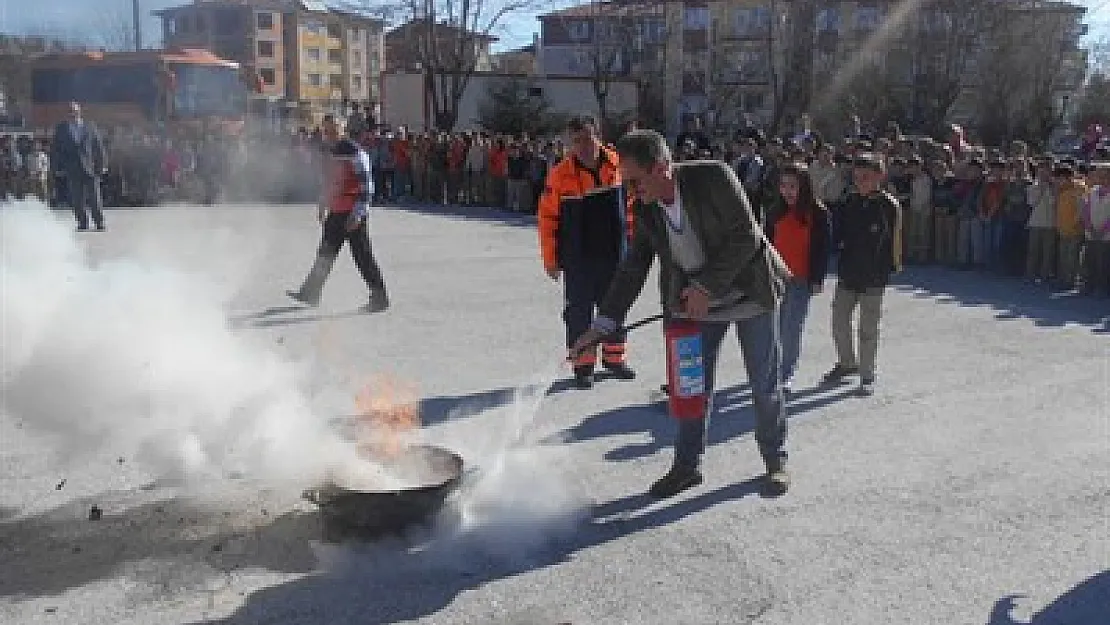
689 366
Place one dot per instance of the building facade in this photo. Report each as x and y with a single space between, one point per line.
770 60
405 46
309 59
406 104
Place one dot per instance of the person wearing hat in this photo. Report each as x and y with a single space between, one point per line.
870 241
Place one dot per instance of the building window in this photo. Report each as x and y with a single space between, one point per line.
754 65
313 55
314 27
867 17
828 20
315 80
754 101
652 31
335 31
265 21
356 58
356 82
752 21
696 18
266 49
579 30
335 56
268 75
936 21
335 81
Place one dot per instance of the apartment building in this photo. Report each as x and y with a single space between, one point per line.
722 60
310 59
404 45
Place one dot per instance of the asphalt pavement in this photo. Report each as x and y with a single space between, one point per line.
972 488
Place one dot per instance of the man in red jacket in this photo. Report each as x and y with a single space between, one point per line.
343 209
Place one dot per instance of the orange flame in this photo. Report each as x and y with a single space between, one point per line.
388 414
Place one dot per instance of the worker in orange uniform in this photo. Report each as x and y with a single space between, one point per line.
584 226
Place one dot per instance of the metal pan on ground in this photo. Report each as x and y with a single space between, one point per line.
349 515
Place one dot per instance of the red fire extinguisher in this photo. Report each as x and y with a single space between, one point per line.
685 369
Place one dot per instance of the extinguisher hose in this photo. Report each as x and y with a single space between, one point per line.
627 328
639 324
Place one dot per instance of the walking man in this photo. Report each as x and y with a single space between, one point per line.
79 155
716 267
869 236
343 210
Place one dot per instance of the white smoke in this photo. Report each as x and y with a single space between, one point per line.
136 358
133 357
521 495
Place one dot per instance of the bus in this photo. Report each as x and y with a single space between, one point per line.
184 91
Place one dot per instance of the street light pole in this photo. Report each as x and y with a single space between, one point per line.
138 24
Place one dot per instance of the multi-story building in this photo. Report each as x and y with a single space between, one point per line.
405 46
309 59
519 61
720 60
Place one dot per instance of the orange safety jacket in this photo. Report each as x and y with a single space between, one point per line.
569 178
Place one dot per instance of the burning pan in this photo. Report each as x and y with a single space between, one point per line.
363 515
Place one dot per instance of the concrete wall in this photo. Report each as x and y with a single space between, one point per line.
403 100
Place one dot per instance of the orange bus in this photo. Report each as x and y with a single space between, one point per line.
182 90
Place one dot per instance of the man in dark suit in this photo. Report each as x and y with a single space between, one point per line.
717 268
78 152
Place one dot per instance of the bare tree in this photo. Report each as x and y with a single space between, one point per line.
449 39
793 90
921 52
946 38
1028 58
622 39
113 29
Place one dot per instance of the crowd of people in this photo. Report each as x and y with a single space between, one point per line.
1043 217
965 206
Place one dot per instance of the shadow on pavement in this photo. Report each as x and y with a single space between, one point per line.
276 316
1088 603
467 213
382 584
1010 298
449 407
61 549
733 418
446 408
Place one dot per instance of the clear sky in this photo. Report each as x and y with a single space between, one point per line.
86 18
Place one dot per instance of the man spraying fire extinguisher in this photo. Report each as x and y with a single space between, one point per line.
717 270
583 227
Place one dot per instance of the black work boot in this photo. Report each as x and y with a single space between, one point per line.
777 480
675 481
303 298
584 377
837 374
620 370
379 302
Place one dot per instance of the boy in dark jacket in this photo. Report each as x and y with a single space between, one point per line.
870 239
